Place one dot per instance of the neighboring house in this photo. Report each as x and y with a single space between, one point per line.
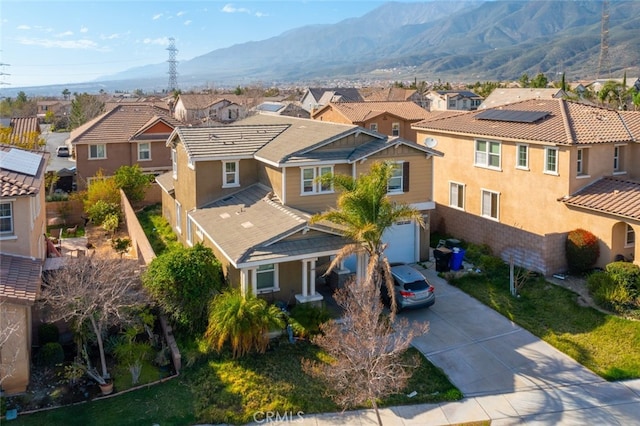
204 108
457 100
124 136
22 253
394 94
289 109
56 107
505 96
317 97
248 190
521 176
389 118
24 131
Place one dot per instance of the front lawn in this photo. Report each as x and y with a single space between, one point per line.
606 344
219 389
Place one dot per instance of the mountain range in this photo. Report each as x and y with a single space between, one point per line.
448 40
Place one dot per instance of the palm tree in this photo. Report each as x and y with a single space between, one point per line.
364 212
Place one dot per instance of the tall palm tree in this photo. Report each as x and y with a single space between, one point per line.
364 212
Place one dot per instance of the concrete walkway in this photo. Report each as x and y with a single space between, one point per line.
507 375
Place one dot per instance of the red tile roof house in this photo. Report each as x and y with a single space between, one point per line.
22 253
519 177
127 135
204 108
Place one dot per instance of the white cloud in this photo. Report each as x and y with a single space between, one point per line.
65 34
163 41
230 8
180 13
82 44
111 36
24 27
261 14
157 16
187 22
84 29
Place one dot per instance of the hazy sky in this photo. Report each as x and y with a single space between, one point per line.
58 42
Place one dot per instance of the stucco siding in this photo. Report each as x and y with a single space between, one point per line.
311 202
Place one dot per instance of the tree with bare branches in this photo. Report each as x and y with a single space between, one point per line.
366 349
94 292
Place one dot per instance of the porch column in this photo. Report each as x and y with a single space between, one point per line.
312 275
244 281
305 277
254 281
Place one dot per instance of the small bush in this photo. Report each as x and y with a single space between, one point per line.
305 319
99 211
608 293
492 265
51 354
474 252
582 250
626 274
48 333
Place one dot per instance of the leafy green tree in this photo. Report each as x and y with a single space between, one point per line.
524 80
364 212
241 321
540 81
132 181
612 94
84 107
182 282
65 94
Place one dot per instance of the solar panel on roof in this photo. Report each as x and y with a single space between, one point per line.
269 107
512 116
20 161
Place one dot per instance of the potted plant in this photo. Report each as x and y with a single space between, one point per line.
105 382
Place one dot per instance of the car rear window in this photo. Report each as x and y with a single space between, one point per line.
417 285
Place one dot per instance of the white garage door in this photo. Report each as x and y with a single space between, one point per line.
401 242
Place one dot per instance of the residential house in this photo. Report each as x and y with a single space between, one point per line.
521 176
124 136
504 96
206 108
317 97
394 94
456 100
24 132
56 107
248 190
389 118
290 109
22 253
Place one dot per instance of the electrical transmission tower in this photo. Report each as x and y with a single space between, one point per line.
604 64
173 73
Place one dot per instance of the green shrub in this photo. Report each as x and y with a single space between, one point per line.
101 209
626 274
582 250
492 265
48 333
51 354
474 252
305 319
608 293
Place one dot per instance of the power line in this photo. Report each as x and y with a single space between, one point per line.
173 73
604 64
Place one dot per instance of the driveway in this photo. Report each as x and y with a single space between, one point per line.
54 140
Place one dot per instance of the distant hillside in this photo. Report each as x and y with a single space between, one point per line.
453 41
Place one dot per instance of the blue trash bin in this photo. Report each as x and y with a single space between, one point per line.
456 258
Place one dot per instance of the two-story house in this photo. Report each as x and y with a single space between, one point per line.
389 118
248 191
509 95
124 136
317 97
521 176
207 108
22 253
453 100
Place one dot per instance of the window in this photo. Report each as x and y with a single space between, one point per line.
618 159
178 217
488 154
399 180
551 160
6 218
310 182
373 126
266 278
630 239
231 174
97 152
174 163
456 195
522 161
490 205
395 129
452 103
582 161
144 151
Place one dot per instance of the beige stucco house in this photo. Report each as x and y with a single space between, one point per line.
453 100
22 252
248 191
521 176
207 108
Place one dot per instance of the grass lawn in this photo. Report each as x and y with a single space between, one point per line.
158 230
218 389
606 344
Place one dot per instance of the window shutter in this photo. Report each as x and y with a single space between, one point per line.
405 176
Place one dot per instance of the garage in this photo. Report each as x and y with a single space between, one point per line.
401 242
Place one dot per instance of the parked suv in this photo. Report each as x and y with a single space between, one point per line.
62 151
411 288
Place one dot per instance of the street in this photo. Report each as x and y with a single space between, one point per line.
54 140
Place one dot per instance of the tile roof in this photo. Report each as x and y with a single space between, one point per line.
15 184
250 225
122 124
503 96
610 195
567 123
358 112
391 94
195 101
22 125
632 121
19 278
166 182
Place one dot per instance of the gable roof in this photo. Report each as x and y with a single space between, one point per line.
19 278
359 112
391 94
615 196
504 96
337 94
566 123
248 226
122 124
456 94
14 183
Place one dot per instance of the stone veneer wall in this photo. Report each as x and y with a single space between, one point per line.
540 253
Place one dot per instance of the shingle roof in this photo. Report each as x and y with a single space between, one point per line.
325 95
122 124
504 96
391 94
567 123
249 225
358 112
19 278
166 182
15 184
615 196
